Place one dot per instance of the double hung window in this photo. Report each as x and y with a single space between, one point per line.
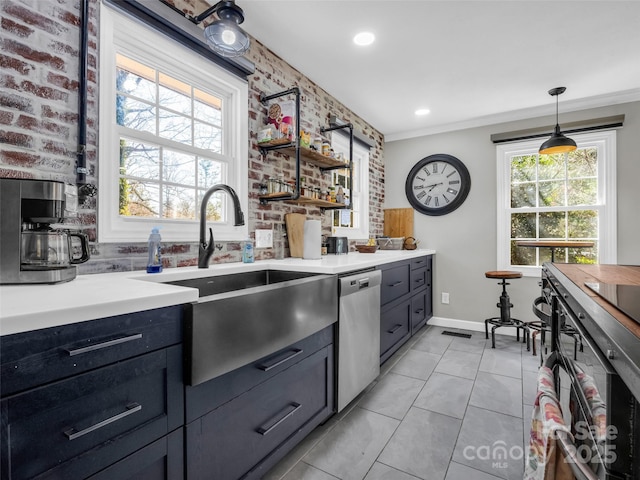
172 125
557 197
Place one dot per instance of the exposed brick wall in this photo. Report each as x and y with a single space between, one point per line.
39 116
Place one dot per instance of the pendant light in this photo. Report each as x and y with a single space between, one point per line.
558 143
224 36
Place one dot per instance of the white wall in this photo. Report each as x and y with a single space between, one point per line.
465 240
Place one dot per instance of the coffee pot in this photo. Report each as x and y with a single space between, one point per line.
33 246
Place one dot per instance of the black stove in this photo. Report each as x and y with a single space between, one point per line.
625 298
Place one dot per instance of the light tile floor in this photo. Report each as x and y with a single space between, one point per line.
443 408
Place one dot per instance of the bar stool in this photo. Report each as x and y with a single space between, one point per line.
505 319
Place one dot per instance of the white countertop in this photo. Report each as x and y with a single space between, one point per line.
88 297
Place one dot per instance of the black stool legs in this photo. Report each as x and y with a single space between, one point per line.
505 320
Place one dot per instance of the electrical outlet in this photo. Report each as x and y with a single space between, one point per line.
445 298
264 238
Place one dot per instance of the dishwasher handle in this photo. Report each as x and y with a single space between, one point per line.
361 281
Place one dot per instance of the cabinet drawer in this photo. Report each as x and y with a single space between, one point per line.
395 283
232 441
160 460
42 356
419 279
208 396
420 262
89 421
418 311
394 328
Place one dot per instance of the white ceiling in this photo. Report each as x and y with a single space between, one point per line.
470 62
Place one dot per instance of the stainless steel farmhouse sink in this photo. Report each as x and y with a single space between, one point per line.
242 317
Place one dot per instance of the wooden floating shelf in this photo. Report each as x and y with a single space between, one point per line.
310 156
301 200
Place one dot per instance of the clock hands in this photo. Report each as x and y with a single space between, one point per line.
431 187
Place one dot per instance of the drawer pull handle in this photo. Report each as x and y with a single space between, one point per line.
99 346
396 284
420 310
279 418
280 359
419 280
395 328
419 262
72 433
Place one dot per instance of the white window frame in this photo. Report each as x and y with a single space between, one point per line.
359 189
120 34
605 141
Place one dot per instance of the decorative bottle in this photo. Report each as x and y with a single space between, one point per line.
154 264
247 251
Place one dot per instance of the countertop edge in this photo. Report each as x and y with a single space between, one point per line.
89 297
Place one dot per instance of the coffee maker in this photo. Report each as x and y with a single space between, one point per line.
33 249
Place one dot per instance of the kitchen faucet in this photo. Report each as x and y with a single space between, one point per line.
205 250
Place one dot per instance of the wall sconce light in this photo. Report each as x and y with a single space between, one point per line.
224 36
558 143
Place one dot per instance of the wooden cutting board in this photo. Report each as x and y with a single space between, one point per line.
295 233
398 222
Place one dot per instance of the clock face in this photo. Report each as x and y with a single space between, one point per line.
438 184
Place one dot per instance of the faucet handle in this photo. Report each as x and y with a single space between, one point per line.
210 245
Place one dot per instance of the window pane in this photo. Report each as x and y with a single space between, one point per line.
136 115
552 225
207 107
209 172
207 137
175 100
179 168
523 169
583 224
522 255
583 192
551 167
215 206
523 195
523 225
582 162
551 194
139 160
179 203
175 127
135 85
139 199
584 255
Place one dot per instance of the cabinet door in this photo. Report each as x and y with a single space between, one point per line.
395 282
395 328
418 279
76 427
161 460
248 434
418 311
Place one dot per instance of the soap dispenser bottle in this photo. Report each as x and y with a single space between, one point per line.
154 264
247 251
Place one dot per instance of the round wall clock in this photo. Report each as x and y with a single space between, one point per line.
438 184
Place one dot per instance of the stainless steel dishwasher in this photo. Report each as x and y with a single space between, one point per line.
358 333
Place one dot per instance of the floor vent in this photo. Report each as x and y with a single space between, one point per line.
456 334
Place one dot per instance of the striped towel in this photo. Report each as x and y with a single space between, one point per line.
545 460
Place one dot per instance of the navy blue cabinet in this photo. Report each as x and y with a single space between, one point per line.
406 302
80 398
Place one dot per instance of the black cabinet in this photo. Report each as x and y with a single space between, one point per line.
406 302
256 414
79 398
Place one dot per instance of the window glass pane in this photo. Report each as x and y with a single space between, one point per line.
583 224
137 115
522 255
139 199
523 168
552 225
551 167
179 202
584 255
209 172
134 85
551 194
583 192
523 225
207 137
207 107
582 162
139 160
174 94
215 206
523 195
179 168
174 127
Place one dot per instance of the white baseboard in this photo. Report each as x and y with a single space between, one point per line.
467 325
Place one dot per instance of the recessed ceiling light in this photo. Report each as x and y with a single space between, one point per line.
423 111
364 38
